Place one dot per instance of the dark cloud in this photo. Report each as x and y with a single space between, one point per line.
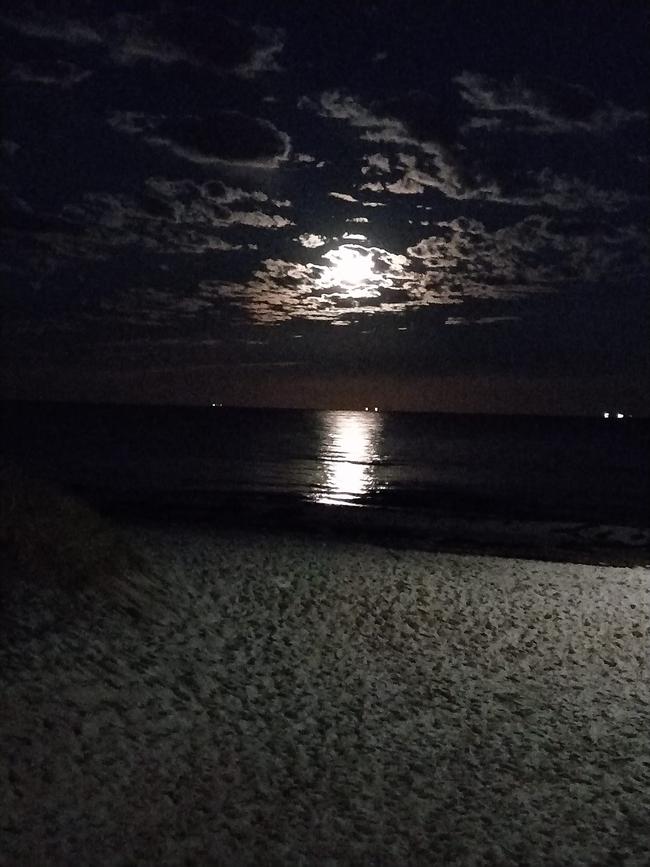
524 188
219 137
17 216
146 307
427 117
168 218
8 147
171 34
171 217
337 105
40 24
549 106
481 320
59 73
448 164
196 36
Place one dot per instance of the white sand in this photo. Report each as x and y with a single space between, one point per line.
296 702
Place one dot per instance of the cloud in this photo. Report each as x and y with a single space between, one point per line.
344 197
310 240
189 34
536 254
415 119
333 104
56 72
259 220
149 312
357 220
350 236
167 217
404 186
383 127
215 190
572 194
263 58
549 106
491 320
376 163
8 147
18 217
58 28
172 33
436 150
481 320
227 137
373 186
525 188
209 203
110 221
281 290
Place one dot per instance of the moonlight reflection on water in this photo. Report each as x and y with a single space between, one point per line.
349 448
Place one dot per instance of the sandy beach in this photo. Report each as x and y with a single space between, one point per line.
287 699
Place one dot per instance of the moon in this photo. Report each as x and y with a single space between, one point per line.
350 267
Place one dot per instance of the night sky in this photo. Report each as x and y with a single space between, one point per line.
437 206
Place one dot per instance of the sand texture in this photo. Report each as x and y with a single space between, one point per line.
287 700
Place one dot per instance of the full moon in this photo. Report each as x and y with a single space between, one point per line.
349 267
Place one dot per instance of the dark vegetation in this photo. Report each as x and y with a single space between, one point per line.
55 538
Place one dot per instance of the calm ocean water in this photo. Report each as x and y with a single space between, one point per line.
520 467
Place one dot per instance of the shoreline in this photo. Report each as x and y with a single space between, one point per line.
416 529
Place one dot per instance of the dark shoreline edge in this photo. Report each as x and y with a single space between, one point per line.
400 528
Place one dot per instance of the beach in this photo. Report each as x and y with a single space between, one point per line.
289 698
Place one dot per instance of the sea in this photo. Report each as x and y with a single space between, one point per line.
217 459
